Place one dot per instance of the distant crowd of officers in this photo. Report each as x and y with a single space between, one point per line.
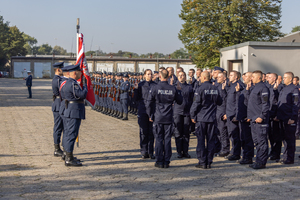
250 110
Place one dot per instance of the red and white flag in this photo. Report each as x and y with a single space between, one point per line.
85 71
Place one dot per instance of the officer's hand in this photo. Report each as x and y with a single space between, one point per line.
150 120
291 121
171 80
234 120
237 87
224 117
136 86
178 87
275 86
275 119
248 86
213 83
259 120
224 85
248 120
193 121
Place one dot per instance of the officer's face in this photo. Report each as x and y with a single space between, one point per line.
295 81
170 71
181 77
215 74
232 77
221 78
198 74
247 78
287 79
148 76
271 79
191 73
256 78
177 71
78 74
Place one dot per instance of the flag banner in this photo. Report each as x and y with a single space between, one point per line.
90 98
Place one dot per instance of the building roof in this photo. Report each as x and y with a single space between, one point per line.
290 37
265 44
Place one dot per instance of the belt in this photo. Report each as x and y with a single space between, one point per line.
75 101
57 97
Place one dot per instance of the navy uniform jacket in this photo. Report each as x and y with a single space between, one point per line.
75 96
125 86
221 109
193 81
274 94
258 102
242 104
164 96
56 81
204 107
288 102
231 104
174 81
29 80
196 85
62 96
141 96
188 95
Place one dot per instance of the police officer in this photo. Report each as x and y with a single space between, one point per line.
231 111
125 86
244 123
221 116
74 112
155 77
287 113
192 79
141 92
29 84
182 119
163 95
58 122
203 112
258 113
172 78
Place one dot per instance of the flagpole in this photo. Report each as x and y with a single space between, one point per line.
77 34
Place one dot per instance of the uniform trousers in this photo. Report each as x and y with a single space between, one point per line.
65 130
275 137
124 103
146 134
289 140
223 136
58 127
182 133
163 150
234 135
72 133
205 133
29 91
246 140
298 125
260 139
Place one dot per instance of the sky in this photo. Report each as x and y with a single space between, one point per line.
139 26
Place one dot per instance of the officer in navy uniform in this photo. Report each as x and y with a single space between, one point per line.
155 77
74 112
164 95
125 86
141 92
203 112
58 122
258 113
182 119
231 112
287 113
29 84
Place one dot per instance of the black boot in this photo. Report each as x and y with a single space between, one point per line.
57 151
126 117
121 116
63 157
70 161
117 114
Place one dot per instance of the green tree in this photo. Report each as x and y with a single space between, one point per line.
15 43
58 50
180 53
295 29
30 42
4 30
45 49
211 25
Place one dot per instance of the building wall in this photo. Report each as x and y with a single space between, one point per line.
275 59
235 54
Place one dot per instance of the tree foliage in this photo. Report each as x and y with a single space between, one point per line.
58 50
30 42
295 29
211 25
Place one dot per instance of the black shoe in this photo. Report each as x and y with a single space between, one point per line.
233 157
226 157
186 155
179 155
272 157
70 161
158 165
286 162
223 154
166 165
29 97
145 156
209 166
63 157
244 161
126 117
201 166
151 156
57 151
257 166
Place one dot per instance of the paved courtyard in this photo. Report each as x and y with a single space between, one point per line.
112 167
